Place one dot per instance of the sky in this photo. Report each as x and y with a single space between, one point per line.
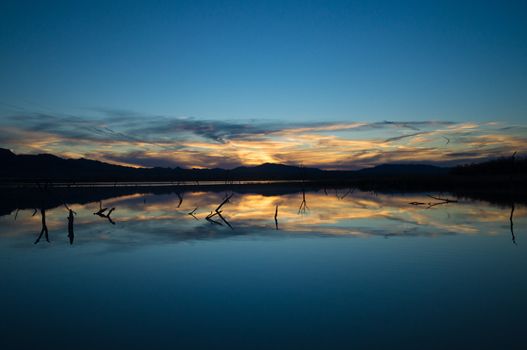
331 84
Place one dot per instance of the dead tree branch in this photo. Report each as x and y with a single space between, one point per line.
303 205
44 230
192 213
512 224
276 217
429 205
71 234
101 214
218 212
180 199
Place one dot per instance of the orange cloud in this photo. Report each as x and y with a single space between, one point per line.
194 143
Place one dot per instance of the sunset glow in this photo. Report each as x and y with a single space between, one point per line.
201 144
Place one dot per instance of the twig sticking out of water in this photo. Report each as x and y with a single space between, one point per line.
180 199
44 229
71 234
512 224
101 210
303 205
350 191
446 200
223 219
225 201
433 204
218 212
276 217
101 214
209 219
192 213
68 208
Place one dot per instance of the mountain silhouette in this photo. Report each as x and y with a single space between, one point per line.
47 167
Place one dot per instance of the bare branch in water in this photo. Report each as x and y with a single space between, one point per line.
101 214
218 212
71 234
443 199
223 219
350 191
180 199
433 204
276 217
303 205
209 219
512 224
192 213
101 210
44 230
225 201
68 208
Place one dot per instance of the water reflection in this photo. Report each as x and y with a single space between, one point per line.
162 273
147 217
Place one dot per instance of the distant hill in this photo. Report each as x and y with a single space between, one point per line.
47 167
50 167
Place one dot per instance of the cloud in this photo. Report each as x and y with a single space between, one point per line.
137 139
188 159
398 138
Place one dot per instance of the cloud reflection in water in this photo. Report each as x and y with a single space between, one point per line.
150 219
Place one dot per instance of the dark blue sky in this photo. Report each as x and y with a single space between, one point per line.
332 84
298 60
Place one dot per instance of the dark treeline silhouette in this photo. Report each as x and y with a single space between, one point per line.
501 166
498 176
46 167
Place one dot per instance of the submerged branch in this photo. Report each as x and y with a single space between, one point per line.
512 224
192 213
44 230
276 217
303 205
101 214
180 199
433 204
71 234
217 212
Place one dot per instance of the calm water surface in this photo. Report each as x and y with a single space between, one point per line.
341 270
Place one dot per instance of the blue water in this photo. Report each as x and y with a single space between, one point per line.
134 287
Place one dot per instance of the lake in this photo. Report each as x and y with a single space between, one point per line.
337 269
